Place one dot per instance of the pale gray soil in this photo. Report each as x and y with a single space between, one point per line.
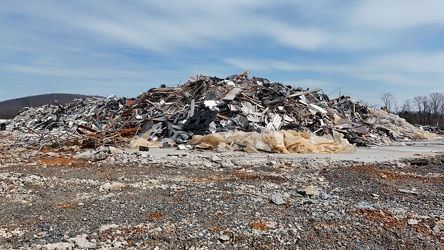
373 199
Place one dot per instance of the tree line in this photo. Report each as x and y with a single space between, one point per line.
422 110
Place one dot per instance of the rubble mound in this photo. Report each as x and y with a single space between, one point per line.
237 112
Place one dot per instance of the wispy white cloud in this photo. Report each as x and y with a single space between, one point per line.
397 14
406 63
336 44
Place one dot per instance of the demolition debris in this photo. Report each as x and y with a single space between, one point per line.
234 113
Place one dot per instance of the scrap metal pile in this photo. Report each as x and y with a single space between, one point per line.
235 113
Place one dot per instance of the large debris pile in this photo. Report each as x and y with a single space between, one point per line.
237 112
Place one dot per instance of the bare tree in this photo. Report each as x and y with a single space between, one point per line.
435 102
406 107
421 104
388 100
395 107
441 109
425 110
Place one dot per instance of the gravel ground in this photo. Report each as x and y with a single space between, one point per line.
208 200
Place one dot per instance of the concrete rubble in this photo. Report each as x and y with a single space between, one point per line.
235 113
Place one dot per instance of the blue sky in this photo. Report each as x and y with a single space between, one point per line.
346 47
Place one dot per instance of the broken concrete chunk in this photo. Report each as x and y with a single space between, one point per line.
439 226
277 199
216 159
113 186
311 191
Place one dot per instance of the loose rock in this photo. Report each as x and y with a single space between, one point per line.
277 199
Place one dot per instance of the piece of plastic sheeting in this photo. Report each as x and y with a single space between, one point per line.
284 141
303 142
136 142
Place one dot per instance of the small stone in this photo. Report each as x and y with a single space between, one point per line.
412 221
277 199
323 195
87 155
114 150
144 154
215 158
311 191
365 205
183 147
271 225
439 226
221 148
407 191
82 242
100 156
384 176
227 164
114 186
224 238
272 163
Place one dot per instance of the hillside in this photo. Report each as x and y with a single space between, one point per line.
10 108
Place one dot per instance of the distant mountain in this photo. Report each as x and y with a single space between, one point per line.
10 108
